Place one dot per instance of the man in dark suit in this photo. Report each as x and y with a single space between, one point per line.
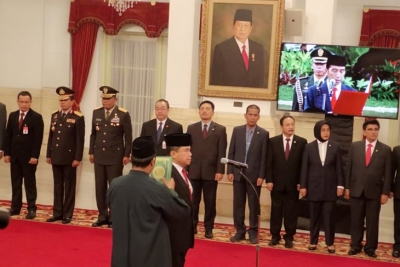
239 61
3 121
181 233
324 98
64 153
24 136
319 57
161 126
396 200
368 178
110 147
285 153
205 170
248 144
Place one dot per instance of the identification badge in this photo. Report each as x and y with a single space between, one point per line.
164 145
25 129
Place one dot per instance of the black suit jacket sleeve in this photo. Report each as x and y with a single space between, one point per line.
222 144
231 151
38 135
3 119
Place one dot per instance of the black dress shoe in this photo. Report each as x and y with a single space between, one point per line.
14 212
253 239
288 244
110 225
312 247
370 253
273 242
99 223
53 219
396 253
237 237
331 250
353 252
208 234
31 215
66 220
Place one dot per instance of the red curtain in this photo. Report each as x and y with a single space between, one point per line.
83 44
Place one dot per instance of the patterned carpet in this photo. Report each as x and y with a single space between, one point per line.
223 232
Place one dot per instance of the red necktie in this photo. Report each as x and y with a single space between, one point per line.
334 97
287 149
245 57
184 173
205 131
368 154
21 119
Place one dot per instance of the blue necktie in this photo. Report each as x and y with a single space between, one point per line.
159 130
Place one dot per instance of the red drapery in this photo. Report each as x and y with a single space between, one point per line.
84 20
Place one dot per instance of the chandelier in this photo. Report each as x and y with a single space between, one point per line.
120 5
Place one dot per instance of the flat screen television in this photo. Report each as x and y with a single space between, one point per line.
367 80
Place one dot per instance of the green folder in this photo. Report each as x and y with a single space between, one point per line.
162 168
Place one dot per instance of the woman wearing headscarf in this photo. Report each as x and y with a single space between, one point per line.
322 182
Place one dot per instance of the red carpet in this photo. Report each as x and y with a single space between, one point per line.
37 244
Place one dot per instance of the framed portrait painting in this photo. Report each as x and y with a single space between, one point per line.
239 51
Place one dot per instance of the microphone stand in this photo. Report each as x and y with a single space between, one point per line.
258 216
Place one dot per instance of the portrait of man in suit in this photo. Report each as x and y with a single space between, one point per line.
248 144
323 98
160 126
239 61
368 180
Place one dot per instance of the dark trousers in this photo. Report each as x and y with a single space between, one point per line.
209 189
284 206
64 190
23 172
396 209
242 188
178 258
368 209
322 210
104 174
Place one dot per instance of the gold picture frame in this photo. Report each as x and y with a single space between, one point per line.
217 26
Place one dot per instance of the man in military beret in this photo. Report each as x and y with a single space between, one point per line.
110 147
139 202
323 98
181 232
319 57
64 153
239 61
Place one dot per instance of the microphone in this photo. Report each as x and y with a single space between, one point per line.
235 163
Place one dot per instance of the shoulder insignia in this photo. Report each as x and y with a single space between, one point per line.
55 111
78 113
98 108
123 110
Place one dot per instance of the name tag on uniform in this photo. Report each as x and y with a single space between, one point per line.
25 129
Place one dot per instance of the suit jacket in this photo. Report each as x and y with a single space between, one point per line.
170 127
396 172
3 121
256 154
315 98
111 139
284 174
228 67
66 138
20 146
321 181
305 83
182 232
374 179
207 152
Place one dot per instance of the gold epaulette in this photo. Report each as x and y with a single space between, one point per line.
123 110
55 111
98 108
77 113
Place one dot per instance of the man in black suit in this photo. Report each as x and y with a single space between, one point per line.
64 153
248 144
396 200
285 153
368 178
205 170
181 233
24 136
110 147
3 121
239 61
161 126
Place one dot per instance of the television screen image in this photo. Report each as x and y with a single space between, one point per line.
341 80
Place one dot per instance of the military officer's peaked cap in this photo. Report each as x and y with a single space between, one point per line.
243 15
143 147
108 92
64 93
320 55
177 140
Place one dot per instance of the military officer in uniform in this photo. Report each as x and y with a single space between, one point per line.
110 147
319 57
64 153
